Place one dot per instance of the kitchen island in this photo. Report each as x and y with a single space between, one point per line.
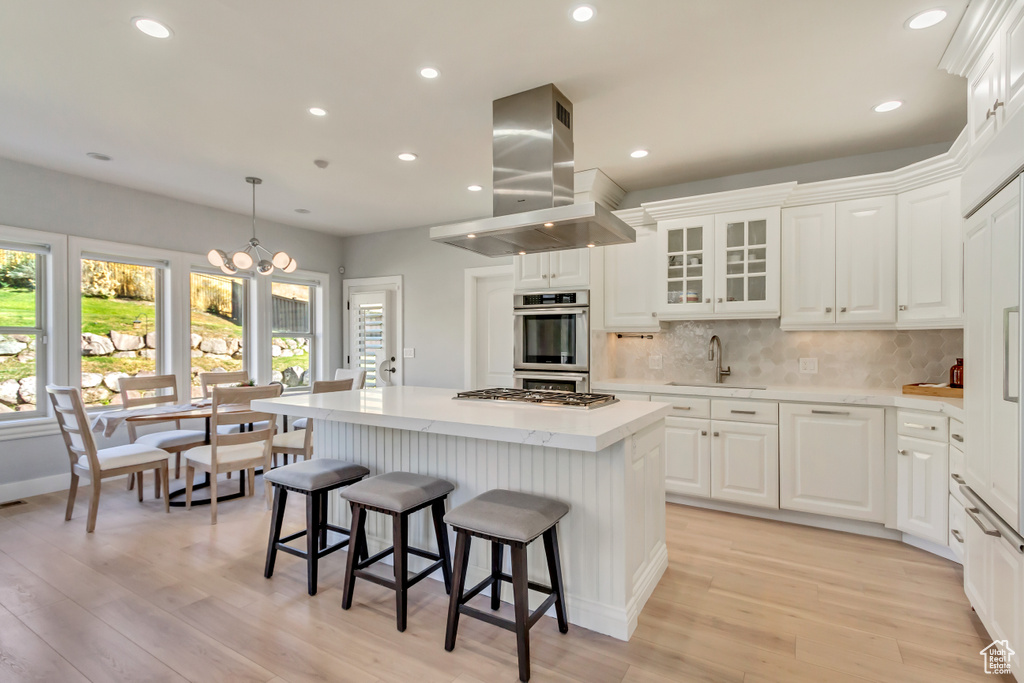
606 462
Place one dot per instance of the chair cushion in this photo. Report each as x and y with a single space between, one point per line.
508 514
294 440
234 429
125 456
227 454
299 423
315 474
172 438
397 491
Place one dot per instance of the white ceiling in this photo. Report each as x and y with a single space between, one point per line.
710 87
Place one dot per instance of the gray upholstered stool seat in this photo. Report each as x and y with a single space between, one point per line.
397 491
510 515
315 474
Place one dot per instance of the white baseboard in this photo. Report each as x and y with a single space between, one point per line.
34 487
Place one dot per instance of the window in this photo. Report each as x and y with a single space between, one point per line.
22 331
218 320
369 334
292 337
121 323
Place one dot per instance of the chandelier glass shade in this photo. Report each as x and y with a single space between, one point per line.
254 253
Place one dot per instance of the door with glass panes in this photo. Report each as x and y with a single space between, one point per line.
747 261
687 266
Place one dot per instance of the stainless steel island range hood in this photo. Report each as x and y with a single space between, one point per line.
533 186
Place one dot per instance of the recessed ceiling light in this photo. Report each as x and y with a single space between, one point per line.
926 19
151 27
407 156
97 156
638 154
549 225
474 188
302 211
888 106
470 235
583 13
429 72
591 245
318 111
522 253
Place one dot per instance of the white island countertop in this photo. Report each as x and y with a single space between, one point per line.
434 411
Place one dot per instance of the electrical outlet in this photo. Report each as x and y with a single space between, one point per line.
408 353
809 366
654 361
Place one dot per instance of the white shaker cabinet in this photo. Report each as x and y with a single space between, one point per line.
568 269
809 265
929 254
832 460
688 456
745 463
922 491
985 95
747 262
866 261
685 267
1013 60
629 285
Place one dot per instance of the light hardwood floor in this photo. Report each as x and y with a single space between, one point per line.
166 597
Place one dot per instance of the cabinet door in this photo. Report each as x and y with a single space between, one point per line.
929 262
628 285
1007 575
866 261
921 489
531 271
747 261
745 463
688 457
984 89
1013 60
977 328
832 460
570 268
977 567
809 265
686 266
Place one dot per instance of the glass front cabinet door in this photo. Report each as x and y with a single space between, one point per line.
687 266
747 262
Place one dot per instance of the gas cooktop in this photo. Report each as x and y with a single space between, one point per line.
564 399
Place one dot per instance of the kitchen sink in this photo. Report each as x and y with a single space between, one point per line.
720 386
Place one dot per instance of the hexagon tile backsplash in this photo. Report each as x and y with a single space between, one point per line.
760 352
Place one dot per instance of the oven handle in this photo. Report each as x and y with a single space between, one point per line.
526 374
551 311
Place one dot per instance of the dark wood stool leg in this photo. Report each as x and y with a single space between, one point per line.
359 529
462 540
312 538
276 518
555 572
437 512
323 520
401 559
521 594
497 557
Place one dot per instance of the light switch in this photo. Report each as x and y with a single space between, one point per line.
809 366
654 361
408 353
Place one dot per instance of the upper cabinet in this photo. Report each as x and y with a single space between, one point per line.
986 98
930 257
629 284
569 269
685 268
1013 60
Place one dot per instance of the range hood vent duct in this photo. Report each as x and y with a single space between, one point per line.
533 171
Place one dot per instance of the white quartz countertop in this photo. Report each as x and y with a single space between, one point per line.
840 395
433 411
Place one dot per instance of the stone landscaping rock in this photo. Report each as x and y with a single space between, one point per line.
96 345
27 356
151 340
110 380
9 346
91 379
125 354
292 377
196 341
275 376
148 353
9 391
27 390
286 353
5 409
237 355
233 346
95 395
23 338
216 346
300 352
196 353
275 350
126 342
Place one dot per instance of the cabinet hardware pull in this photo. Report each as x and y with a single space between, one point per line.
957 437
903 307
830 412
956 535
708 300
903 451
989 114
743 412
654 315
843 309
828 309
703 432
958 479
715 434
973 514
996 105
680 407
719 299
1006 353
545 276
914 425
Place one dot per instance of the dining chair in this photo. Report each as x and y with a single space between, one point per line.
241 451
135 393
358 377
104 463
299 441
209 380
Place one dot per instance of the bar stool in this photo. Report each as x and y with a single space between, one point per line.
397 494
514 519
314 479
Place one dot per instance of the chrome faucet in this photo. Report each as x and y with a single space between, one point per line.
719 372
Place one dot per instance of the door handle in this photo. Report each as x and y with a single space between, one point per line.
957 437
1006 353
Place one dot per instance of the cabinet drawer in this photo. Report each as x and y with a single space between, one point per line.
922 425
957 519
685 406
765 412
956 433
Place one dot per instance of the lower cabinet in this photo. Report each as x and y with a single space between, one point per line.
922 489
745 463
832 460
688 456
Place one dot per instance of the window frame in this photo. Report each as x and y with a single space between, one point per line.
313 349
40 331
249 352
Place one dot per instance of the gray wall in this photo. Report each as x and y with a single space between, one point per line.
42 199
434 281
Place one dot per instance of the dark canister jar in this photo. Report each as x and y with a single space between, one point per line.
956 374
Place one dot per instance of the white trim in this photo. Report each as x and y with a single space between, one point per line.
29 427
469 318
593 185
390 283
976 28
720 202
34 487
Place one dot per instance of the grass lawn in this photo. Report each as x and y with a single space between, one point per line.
12 369
17 308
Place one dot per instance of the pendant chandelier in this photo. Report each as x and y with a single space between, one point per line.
254 253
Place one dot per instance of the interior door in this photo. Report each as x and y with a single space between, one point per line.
370 345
